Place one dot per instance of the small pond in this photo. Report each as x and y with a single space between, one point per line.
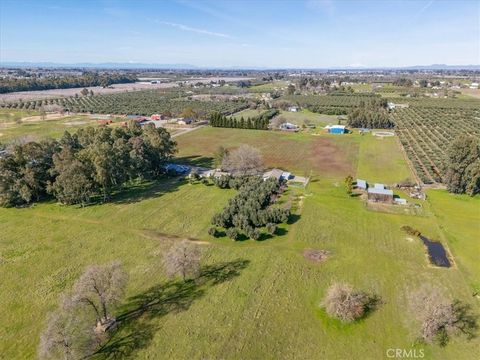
436 252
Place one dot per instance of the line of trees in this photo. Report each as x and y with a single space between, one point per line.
76 168
63 82
372 114
260 122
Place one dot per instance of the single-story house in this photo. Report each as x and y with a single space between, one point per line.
378 186
277 174
380 195
184 121
336 129
293 109
474 85
362 184
288 127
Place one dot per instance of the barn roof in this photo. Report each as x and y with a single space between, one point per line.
380 191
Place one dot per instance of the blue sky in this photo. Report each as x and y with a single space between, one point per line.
309 34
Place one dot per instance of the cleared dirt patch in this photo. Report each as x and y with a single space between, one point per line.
39 118
328 157
316 255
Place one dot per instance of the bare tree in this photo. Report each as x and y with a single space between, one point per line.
98 289
345 303
67 335
246 160
440 317
183 259
278 121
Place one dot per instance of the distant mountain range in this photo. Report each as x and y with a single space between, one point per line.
121 65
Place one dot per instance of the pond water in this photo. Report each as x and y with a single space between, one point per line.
436 252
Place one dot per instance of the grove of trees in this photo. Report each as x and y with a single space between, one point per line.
463 165
76 168
371 114
252 208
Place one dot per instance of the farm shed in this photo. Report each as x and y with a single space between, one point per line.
288 127
336 129
362 184
380 195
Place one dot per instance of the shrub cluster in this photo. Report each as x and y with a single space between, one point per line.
250 209
94 161
345 303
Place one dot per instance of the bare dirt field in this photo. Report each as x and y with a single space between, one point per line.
471 92
55 93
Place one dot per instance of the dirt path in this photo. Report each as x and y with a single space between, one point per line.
39 117
187 130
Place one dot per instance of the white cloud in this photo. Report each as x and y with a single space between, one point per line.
195 30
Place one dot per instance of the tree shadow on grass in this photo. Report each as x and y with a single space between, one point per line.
136 330
195 160
147 189
293 218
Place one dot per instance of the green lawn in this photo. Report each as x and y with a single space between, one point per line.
302 153
271 86
44 129
458 217
381 160
257 300
306 116
10 115
247 113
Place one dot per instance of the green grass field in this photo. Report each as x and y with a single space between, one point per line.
306 116
247 113
376 154
45 129
8 115
257 300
